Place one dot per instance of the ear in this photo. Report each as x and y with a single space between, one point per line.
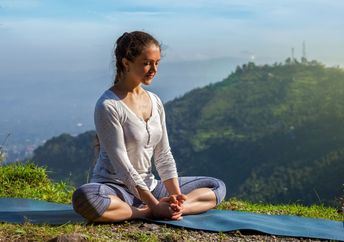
125 63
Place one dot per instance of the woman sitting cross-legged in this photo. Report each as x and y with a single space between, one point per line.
131 129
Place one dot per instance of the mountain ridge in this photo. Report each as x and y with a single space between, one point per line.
261 130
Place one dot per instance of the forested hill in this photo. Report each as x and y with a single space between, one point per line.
273 133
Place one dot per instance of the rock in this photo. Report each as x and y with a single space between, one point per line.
75 237
149 227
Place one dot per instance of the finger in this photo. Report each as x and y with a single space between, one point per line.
175 207
181 198
173 199
175 211
177 217
165 199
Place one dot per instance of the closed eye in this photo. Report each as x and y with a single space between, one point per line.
151 62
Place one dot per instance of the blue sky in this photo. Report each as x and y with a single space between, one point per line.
55 55
200 29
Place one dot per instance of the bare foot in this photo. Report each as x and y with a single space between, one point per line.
145 212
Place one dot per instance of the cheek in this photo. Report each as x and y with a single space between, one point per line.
141 70
146 69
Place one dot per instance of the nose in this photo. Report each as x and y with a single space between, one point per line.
154 68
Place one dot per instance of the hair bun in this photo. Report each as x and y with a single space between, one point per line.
123 36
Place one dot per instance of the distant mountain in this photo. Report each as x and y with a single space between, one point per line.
68 158
273 133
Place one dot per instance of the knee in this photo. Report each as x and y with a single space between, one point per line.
220 191
219 188
91 200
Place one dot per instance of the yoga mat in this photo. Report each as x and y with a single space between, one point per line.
292 226
20 210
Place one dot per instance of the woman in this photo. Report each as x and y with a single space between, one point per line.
130 124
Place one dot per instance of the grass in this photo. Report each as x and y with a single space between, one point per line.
314 211
30 181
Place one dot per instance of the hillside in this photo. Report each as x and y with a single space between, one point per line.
273 133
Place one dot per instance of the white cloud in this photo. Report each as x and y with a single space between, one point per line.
265 27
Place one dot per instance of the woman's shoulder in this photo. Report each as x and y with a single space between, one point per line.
107 100
156 99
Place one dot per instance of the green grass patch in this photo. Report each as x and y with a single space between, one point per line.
314 211
30 181
128 231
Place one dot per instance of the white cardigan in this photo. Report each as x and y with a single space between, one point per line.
128 143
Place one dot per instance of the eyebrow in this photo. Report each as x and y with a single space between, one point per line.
151 60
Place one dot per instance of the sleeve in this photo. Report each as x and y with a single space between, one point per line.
163 158
110 133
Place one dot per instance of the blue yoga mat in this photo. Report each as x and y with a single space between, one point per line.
19 210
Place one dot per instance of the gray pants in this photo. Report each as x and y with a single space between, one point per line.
91 200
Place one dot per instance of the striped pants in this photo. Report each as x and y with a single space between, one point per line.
91 200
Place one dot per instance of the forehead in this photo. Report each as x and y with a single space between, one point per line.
151 52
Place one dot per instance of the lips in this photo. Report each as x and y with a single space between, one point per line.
150 76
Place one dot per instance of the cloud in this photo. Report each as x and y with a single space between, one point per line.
192 29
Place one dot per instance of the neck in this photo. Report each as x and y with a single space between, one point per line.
126 86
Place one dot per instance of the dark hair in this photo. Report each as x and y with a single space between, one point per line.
129 46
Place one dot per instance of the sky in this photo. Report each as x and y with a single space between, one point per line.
56 55
79 33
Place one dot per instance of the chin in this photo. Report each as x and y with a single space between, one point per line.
147 81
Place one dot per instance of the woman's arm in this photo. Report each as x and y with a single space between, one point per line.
172 186
166 165
163 158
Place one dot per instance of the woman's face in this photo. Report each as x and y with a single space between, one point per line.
145 66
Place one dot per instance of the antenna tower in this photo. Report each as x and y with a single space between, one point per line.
303 50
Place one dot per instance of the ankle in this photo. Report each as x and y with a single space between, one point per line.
144 213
